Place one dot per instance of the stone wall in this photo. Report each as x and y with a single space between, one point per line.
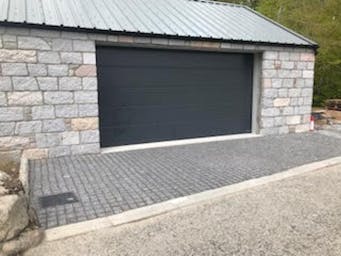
287 91
48 88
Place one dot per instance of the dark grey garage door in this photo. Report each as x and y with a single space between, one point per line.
149 95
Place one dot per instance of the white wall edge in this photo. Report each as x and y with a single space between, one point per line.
178 142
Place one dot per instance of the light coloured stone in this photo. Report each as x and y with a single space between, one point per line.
70 138
269 55
89 83
54 125
89 58
308 100
83 46
270 112
37 69
302 128
268 64
294 92
284 55
291 120
48 57
125 39
288 111
62 45
7 129
86 70
309 82
267 122
58 70
14 69
89 136
70 83
267 102
42 112
308 74
67 110
45 33
47 140
48 83
270 93
85 149
26 56
283 130
86 97
269 73
307 57
3 99
33 43
81 124
25 83
25 98
307 92
36 153
28 127
88 110
276 83
287 64
98 37
5 84
71 57
74 35
281 102
58 97
12 142
283 92
13 216
295 56
11 114
59 151
267 83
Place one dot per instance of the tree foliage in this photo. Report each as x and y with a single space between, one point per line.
319 20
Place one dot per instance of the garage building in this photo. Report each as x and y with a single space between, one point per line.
80 76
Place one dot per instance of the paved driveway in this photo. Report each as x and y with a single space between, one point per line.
299 216
108 184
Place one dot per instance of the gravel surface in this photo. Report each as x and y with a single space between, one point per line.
296 216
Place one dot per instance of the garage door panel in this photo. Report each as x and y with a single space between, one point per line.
121 77
125 135
148 95
173 95
162 58
170 115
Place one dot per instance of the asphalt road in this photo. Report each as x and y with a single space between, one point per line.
296 216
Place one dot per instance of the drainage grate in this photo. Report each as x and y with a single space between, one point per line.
58 199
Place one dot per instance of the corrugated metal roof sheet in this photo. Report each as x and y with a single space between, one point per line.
187 18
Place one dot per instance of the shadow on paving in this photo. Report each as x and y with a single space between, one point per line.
71 189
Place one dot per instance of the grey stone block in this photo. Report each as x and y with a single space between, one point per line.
28 127
3 99
25 84
5 84
11 114
89 83
58 97
59 151
49 57
48 83
67 110
88 110
42 112
7 129
62 45
54 125
37 69
70 138
91 136
33 43
45 33
70 83
86 97
71 57
83 46
46 140
58 70
270 112
85 149
89 58
14 69
25 98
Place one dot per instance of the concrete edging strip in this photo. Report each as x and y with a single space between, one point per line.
177 203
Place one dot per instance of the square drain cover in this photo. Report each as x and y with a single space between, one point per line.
58 199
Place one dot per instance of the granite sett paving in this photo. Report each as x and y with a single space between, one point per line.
107 184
